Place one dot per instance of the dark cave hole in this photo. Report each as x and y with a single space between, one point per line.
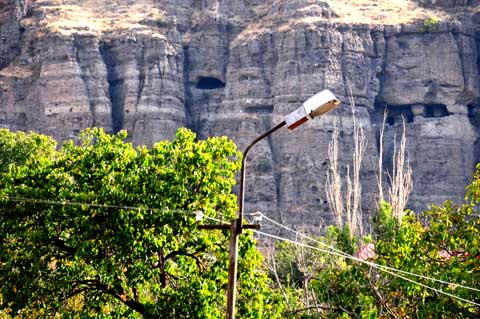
472 109
22 120
397 119
395 113
436 110
474 112
398 112
260 109
209 83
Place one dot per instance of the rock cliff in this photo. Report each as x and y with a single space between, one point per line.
235 67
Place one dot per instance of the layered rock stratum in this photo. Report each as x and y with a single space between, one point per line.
235 67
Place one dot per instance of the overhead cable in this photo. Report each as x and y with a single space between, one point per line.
372 264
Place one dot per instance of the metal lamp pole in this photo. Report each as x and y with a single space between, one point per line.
237 226
315 106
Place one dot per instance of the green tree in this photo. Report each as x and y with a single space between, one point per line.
442 243
19 148
106 230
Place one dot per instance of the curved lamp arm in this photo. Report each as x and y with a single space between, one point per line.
241 196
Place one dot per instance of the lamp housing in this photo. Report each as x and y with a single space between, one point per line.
315 106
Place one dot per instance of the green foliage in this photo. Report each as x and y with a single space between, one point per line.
444 246
124 243
384 225
442 243
430 24
20 148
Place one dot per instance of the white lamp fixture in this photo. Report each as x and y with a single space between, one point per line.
198 215
315 106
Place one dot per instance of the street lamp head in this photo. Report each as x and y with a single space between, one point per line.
315 106
320 103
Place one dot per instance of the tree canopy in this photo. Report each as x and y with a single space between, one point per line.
433 261
101 229
18 148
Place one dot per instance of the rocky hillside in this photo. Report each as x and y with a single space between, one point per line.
235 67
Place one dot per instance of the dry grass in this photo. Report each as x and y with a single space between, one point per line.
345 200
99 17
334 180
371 12
401 177
380 159
354 214
384 12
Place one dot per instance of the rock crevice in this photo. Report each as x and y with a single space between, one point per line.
116 89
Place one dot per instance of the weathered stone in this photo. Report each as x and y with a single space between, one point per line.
235 68
10 32
423 68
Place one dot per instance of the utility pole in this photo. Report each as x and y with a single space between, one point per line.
315 106
232 270
233 259
237 226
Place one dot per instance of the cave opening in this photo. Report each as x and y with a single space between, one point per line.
409 112
209 83
436 110
259 109
395 114
474 112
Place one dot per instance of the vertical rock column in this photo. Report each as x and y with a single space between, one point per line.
62 93
145 86
157 108
11 12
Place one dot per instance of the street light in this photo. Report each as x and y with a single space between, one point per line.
315 106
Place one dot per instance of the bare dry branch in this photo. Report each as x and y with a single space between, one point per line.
334 182
360 144
272 267
347 208
380 158
401 178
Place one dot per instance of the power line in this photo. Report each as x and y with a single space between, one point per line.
138 208
389 270
332 250
372 264
365 261
73 203
52 202
70 203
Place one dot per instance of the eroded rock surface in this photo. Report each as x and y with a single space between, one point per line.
234 68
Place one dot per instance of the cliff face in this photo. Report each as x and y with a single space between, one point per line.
235 67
